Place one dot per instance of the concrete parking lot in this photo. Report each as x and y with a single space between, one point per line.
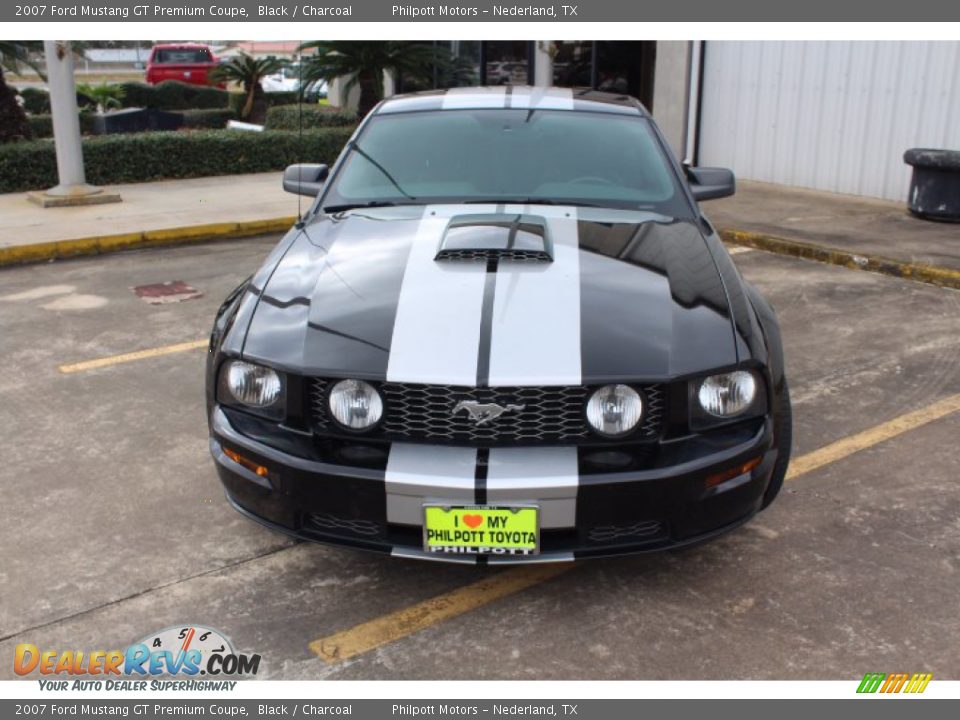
114 524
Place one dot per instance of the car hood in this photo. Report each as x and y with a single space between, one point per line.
623 295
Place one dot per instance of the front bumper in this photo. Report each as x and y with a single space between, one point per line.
585 510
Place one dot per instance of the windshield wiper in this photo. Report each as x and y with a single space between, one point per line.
363 153
329 209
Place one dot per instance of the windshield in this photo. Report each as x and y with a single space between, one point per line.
181 56
509 155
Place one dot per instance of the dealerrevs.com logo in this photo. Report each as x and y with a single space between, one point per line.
181 651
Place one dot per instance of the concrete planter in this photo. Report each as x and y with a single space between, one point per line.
935 187
136 120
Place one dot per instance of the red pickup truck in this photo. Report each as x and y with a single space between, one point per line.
186 62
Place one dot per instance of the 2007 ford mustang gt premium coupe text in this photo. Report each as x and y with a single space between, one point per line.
503 332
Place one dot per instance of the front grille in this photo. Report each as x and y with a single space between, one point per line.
550 415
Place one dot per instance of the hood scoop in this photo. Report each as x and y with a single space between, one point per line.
501 236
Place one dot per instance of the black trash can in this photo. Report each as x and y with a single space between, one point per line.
935 187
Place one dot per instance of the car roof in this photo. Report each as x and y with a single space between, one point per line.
514 96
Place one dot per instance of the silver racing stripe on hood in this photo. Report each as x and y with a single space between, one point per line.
535 329
458 324
436 332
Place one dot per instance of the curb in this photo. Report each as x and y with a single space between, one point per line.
931 274
99 244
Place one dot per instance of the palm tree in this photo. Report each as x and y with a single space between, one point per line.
450 71
247 72
104 95
13 120
363 63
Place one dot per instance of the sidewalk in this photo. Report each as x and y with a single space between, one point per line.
857 225
155 213
839 229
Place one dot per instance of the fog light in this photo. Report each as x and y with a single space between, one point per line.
355 404
614 410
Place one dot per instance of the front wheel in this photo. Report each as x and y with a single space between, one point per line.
783 428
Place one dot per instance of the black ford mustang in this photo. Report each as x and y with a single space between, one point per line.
503 332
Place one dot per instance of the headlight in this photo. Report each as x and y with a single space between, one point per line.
728 394
614 410
355 404
253 385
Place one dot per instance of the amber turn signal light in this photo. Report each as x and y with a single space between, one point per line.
714 480
248 464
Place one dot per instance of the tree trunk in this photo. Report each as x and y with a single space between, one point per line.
13 120
369 92
247 108
258 106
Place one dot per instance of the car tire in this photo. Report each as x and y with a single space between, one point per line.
784 431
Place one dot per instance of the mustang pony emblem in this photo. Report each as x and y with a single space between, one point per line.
482 413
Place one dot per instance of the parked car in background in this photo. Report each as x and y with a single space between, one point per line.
186 62
288 80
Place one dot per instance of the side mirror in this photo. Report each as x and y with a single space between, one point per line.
707 183
305 179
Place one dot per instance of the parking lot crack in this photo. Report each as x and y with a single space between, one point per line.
147 591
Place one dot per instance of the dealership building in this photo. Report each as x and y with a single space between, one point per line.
834 116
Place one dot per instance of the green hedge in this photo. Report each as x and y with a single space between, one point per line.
35 100
286 117
141 157
238 99
174 95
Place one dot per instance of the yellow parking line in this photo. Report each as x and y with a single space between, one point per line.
410 620
130 357
396 625
868 438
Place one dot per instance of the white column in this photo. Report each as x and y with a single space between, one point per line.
66 121
543 63
671 92
389 83
73 188
338 98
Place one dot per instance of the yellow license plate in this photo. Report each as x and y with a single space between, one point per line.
481 530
